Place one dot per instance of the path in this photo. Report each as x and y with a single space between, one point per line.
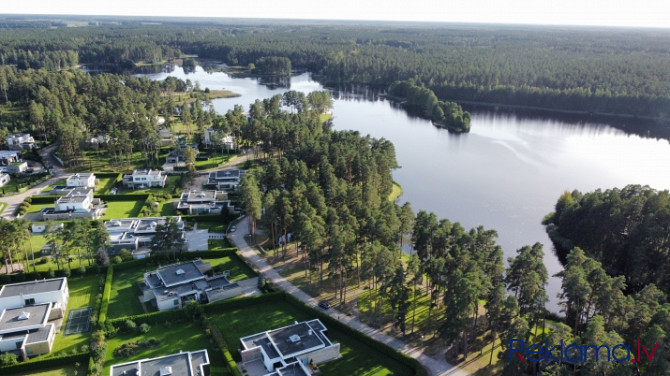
434 366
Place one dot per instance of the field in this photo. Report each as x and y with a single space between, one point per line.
213 162
72 370
123 209
357 357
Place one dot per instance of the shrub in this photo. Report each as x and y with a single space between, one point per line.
117 260
125 255
101 257
67 272
130 325
7 359
144 328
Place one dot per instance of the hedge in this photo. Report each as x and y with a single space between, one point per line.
202 217
125 197
163 257
44 199
41 365
106 295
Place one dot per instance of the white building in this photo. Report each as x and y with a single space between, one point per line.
203 202
133 233
225 179
145 178
78 203
19 141
17 167
173 286
227 141
291 347
4 179
81 180
8 157
28 315
189 363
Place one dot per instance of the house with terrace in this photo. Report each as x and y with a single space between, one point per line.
134 233
78 203
288 350
203 202
86 180
189 363
173 286
145 178
225 179
31 314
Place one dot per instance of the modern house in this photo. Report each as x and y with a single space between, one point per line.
166 137
145 178
189 363
4 179
225 179
29 315
8 157
287 350
134 233
203 202
78 203
17 167
81 180
20 141
227 141
173 286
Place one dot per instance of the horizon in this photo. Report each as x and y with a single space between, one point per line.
594 13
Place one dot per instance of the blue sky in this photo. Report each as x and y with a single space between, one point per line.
644 13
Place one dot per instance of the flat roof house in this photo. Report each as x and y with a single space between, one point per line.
203 202
8 157
173 286
225 179
19 141
145 178
287 350
81 180
29 313
133 233
78 203
17 167
189 363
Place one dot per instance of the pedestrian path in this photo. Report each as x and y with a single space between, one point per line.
434 366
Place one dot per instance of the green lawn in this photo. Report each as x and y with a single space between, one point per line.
123 300
218 245
172 186
212 162
60 371
50 187
104 185
174 337
357 357
238 269
36 208
123 209
213 226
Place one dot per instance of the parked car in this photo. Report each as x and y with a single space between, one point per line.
324 305
232 229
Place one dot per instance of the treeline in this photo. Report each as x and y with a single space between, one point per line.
574 69
273 65
423 101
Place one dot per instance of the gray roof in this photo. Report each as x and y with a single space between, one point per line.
178 274
41 335
295 339
292 369
14 319
182 364
34 287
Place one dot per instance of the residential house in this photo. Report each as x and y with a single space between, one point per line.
4 179
227 141
30 315
20 141
134 233
81 180
17 167
145 178
166 137
173 286
7 157
189 363
225 179
289 348
78 203
203 202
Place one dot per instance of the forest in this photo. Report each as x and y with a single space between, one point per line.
590 71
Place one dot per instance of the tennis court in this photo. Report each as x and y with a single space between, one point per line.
78 321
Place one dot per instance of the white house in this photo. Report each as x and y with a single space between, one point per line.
78 203
225 179
173 286
8 157
226 141
17 167
133 233
292 346
19 141
185 363
145 178
81 180
203 202
4 179
28 315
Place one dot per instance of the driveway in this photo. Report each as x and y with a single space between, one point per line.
434 366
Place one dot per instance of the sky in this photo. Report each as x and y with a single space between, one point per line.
627 13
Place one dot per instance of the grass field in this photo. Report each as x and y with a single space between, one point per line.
36 208
123 209
172 186
174 337
212 162
357 357
71 370
104 185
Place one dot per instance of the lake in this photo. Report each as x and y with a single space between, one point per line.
506 174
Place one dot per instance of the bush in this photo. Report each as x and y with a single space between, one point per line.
125 255
101 257
67 272
8 359
144 328
130 325
117 260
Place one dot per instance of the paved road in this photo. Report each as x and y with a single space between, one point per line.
435 366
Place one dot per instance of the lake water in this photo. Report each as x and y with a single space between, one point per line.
506 174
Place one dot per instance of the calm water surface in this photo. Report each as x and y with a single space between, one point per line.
506 174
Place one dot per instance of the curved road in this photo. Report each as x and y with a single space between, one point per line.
434 366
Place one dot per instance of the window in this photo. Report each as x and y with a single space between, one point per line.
176 302
30 301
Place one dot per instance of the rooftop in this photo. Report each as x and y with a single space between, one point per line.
14 319
177 274
225 174
34 287
290 341
182 364
147 172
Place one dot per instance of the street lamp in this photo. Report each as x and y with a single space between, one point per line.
422 340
